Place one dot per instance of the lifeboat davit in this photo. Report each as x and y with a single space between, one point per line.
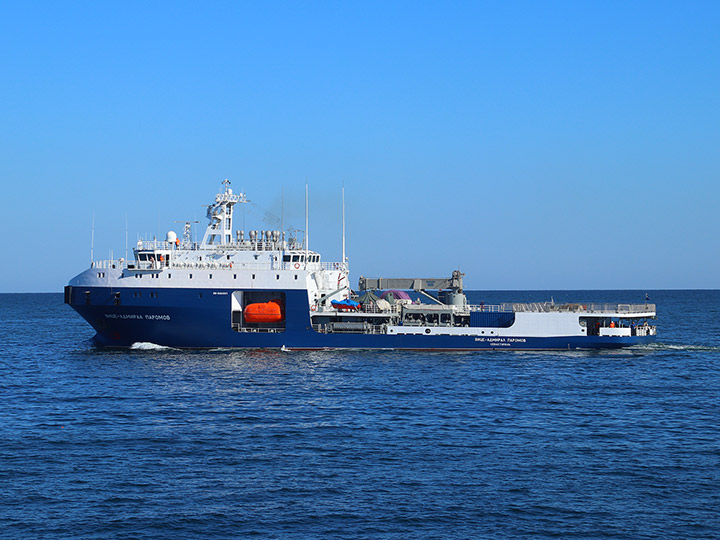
264 312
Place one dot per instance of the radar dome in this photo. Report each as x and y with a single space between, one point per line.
171 237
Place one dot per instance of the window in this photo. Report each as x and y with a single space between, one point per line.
277 276
295 277
253 276
210 276
234 276
287 258
295 258
190 276
169 276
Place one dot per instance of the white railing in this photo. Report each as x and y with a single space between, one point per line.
489 308
373 308
224 264
587 308
646 331
111 263
161 244
245 245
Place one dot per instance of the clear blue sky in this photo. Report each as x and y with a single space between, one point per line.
534 145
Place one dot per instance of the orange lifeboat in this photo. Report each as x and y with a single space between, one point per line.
265 312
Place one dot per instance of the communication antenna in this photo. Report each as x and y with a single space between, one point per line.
343 225
307 228
126 237
92 238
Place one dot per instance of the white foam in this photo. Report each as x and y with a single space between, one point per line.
147 346
671 347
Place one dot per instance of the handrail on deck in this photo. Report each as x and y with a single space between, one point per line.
210 265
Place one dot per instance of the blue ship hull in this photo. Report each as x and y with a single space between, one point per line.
201 318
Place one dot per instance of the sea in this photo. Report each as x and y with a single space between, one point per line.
155 443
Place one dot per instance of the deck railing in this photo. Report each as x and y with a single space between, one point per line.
490 308
587 308
211 265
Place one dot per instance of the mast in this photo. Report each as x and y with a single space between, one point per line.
307 231
219 230
343 226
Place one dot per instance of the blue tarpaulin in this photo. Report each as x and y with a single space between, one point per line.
345 304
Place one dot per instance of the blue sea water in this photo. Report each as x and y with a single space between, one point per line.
162 443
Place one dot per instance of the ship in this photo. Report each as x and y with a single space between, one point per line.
265 289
